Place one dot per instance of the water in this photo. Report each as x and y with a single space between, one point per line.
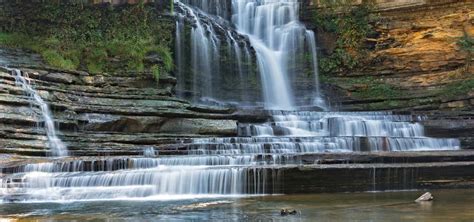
208 36
277 39
220 167
449 205
277 36
217 169
57 147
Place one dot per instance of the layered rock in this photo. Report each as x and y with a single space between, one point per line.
416 53
123 112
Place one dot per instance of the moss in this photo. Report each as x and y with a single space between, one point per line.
379 91
55 59
96 39
371 88
17 40
458 88
96 59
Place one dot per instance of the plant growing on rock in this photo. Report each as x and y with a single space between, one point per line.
466 44
350 24
93 38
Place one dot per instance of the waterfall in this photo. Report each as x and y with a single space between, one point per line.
278 38
179 51
247 164
58 148
216 167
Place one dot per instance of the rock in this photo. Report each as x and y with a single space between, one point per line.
286 212
60 78
454 105
119 114
425 197
416 52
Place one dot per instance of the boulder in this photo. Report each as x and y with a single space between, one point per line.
425 197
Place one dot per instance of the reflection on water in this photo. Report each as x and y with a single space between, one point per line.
449 205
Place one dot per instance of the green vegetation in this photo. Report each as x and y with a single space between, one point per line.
368 87
350 25
458 88
371 88
96 39
466 43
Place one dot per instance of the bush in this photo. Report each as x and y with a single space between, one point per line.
351 25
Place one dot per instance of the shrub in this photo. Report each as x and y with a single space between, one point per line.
351 25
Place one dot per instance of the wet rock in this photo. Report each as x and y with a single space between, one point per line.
286 212
89 110
65 78
425 197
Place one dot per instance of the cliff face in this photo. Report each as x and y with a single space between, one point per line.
416 55
100 114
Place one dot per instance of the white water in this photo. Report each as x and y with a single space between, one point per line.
272 29
54 143
231 166
278 37
247 164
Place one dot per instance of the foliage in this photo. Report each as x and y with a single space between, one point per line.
370 87
156 72
97 39
350 25
458 88
466 43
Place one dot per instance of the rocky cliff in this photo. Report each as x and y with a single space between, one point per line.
101 114
414 60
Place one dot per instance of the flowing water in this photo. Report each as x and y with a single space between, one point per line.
58 148
449 205
268 31
219 167
216 168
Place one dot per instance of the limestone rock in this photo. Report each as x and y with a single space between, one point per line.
425 197
65 78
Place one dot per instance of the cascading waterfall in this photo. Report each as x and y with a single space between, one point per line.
217 167
207 37
274 31
279 40
214 167
58 148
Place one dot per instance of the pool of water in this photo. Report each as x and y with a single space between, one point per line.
449 205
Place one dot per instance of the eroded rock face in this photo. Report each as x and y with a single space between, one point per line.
416 52
103 114
422 40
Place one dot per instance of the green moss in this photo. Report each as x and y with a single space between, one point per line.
96 59
17 40
96 39
379 91
371 88
55 59
458 88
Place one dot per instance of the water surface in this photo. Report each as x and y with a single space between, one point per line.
449 205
